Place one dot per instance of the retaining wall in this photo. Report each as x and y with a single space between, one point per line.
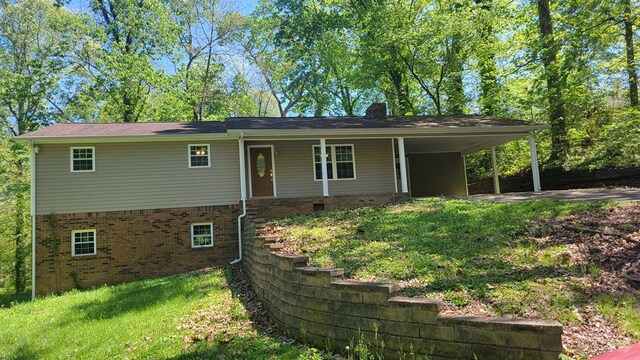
317 306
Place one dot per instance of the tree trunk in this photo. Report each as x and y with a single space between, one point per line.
455 85
487 64
559 143
20 270
632 70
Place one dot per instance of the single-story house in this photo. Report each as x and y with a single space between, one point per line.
114 202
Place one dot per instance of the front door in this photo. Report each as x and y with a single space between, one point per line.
261 171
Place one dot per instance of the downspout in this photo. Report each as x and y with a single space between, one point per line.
243 196
33 220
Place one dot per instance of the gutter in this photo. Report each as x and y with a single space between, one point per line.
243 196
386 132
33 219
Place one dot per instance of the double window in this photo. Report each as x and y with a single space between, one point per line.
202 235
340 162
83 242
199 156
83 159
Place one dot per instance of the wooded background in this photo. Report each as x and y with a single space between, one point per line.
568 63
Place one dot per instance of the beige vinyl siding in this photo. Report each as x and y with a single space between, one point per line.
437 174
135 176
294 168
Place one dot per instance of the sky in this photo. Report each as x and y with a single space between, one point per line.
244 6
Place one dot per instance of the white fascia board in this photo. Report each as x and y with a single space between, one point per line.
392 132
122 139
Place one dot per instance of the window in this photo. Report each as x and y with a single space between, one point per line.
199 156
83 242
202 235
83 159
340 162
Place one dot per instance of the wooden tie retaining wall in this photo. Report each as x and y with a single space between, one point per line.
317 306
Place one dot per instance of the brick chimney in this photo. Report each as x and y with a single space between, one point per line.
376 110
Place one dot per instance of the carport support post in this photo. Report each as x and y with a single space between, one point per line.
325 176
403 166
496 176
535 171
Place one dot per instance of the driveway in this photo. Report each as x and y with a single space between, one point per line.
604 194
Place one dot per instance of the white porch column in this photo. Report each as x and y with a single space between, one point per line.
243 176
535 171
496 176
325 176
403 165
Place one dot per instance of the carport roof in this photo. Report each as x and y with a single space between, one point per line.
363 122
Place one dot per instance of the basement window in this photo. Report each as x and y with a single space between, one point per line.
199 156
202 235
83 159
83 242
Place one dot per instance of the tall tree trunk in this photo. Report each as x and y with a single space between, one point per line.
487 64
455 85
632 69
20 270
559 142
401 92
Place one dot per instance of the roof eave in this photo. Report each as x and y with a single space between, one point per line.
436 131
115 139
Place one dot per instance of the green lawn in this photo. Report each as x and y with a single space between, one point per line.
140 320
489 258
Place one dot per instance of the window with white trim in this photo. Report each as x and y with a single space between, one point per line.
202 235
83 242
340 162
83 159
199 155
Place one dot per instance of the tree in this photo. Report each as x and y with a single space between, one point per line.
36 40
284 78
132 34
549 54
204 26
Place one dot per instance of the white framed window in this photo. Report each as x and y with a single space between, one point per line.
202 235
341 162
199 156
83 159
83 242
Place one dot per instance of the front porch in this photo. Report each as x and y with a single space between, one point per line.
316 170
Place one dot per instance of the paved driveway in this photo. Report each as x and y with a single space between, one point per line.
605 194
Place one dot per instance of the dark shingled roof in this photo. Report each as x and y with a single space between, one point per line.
394 122
81 130
128 129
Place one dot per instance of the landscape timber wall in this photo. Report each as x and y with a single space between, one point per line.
317 306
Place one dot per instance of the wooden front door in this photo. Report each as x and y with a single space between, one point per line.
261 171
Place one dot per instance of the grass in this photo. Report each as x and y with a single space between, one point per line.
464 252
140 320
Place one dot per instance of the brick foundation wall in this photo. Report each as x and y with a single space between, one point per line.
317 306
131 245
281 207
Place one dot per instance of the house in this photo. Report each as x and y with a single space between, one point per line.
123 201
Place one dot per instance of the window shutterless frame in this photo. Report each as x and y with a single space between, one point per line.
72 158
195 226
190 156
93 242
334 162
